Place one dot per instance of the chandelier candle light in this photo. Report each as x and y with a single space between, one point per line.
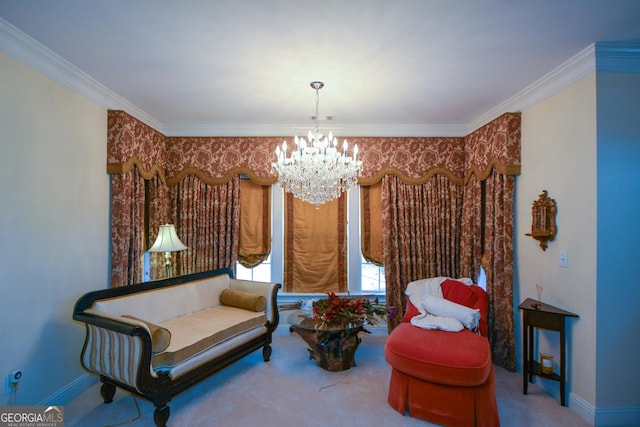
316 171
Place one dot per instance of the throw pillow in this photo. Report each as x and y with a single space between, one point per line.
242 299
160 337
459 292
442 307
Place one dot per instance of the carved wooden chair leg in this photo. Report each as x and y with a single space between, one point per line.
161 415
266 352
107 391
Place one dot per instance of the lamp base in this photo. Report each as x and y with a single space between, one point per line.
167 264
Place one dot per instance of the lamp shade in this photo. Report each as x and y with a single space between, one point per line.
167 240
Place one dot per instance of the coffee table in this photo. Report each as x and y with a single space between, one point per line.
332 345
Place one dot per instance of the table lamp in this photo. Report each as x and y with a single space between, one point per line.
167 242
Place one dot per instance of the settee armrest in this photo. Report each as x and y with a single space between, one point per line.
270 293
118 350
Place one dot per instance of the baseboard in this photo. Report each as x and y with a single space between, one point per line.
583 408
69 392
618 417
604 417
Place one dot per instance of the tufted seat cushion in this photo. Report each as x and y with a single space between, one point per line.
451 358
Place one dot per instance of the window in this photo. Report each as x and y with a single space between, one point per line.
259 273
372 277
363 276
482 279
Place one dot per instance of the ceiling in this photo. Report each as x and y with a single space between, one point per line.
218 67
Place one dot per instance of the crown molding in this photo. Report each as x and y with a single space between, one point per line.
571 71
31 52
618 57
288 130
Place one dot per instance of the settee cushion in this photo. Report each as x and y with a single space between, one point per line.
243 299
452 358
197 331
160 337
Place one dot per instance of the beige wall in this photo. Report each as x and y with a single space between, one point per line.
54 225
559 145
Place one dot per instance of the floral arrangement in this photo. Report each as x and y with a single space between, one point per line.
354 309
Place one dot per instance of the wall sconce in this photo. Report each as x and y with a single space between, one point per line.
543 222
167 242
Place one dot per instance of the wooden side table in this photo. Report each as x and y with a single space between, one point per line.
537 314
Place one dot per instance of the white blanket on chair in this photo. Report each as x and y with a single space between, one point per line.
436 312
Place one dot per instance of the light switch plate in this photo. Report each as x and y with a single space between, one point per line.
564 259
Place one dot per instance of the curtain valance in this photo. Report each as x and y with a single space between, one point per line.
215 160
131 143
495 145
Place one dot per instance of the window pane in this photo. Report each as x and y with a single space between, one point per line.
372 277
260 273
242 273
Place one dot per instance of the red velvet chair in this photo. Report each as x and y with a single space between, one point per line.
444 377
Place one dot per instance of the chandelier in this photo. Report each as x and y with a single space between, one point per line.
316 171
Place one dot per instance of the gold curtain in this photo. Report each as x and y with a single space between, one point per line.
255 223
371 223
315 259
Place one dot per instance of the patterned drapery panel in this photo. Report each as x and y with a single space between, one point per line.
255 223
315 259
421 233
500 197
208 222
157 214
472 244
127 227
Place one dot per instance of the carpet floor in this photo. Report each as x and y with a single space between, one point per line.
292 390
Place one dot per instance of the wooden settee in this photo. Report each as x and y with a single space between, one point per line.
158 338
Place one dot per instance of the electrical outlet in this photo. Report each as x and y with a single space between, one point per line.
11 382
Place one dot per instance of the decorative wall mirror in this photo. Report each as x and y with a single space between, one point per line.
543 224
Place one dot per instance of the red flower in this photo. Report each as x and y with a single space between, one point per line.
336 308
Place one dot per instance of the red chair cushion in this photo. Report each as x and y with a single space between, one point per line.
451 358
